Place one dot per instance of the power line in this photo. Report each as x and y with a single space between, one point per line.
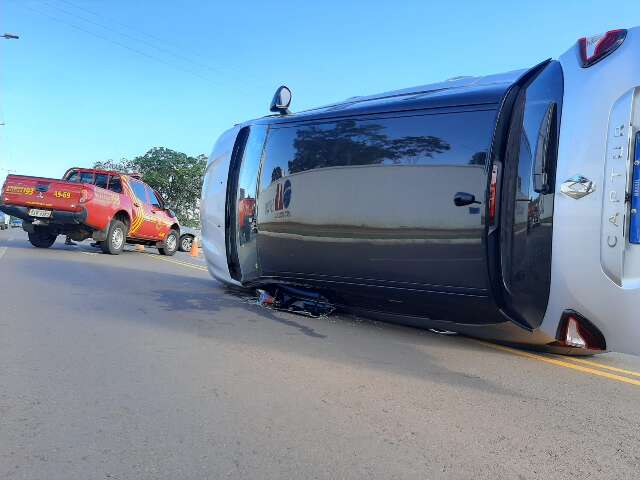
120 44
135 38
139 31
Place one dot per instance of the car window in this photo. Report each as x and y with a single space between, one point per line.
139 190
86 177
115 185
153 198
450 139
73 176
101 180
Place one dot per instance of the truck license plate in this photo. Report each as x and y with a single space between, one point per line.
35 212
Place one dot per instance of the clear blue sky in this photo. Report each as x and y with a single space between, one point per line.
93 80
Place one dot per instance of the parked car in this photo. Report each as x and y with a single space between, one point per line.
188 235
440 206
15 222
4 221
112 208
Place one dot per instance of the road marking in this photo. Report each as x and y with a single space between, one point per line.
607 367
2 251
560 363
178 262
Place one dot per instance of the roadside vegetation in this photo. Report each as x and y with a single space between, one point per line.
175 175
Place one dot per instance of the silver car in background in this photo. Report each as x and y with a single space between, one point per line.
188 235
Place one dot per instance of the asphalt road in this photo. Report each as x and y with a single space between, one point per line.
142 367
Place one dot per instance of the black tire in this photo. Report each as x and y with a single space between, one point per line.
42 238
116 238
170 244
186 242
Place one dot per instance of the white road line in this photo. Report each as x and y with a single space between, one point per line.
2 251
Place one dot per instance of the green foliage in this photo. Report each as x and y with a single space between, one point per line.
176 176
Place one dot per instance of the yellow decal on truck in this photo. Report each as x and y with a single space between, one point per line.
19 189
58 194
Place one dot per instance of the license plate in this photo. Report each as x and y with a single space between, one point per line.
35 212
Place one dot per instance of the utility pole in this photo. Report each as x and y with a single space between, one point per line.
10 36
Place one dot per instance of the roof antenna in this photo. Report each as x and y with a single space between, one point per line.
281 101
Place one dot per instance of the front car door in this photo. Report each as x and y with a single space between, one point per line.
142 225
242 192
161 220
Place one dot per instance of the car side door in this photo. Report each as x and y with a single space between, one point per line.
161 220
142 225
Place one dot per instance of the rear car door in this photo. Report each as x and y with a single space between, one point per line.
368 204
374 198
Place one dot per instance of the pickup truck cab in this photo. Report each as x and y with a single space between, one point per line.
111 207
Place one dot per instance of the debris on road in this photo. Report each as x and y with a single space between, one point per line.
442 332
295 300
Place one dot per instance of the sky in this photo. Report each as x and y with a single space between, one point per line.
92 80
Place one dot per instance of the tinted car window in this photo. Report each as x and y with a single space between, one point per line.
153 199
101 180
73 176
86 177
139 190
115 185
445 139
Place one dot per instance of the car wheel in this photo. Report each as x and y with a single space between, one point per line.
170 244
186 242
116 238
42 238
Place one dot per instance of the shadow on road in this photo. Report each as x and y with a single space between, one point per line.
196 304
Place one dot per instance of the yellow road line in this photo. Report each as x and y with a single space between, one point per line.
561 363
178 262
607 367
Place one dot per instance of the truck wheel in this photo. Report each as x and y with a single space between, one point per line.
186 241
42 238
116 238
170 244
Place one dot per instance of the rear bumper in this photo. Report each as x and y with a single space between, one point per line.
58 216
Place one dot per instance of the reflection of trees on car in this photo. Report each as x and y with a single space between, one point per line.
348 142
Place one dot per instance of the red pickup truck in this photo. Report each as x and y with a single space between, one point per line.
112 208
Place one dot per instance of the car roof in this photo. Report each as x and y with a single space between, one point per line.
467 90
137 176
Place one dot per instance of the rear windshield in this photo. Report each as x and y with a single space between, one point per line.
80 177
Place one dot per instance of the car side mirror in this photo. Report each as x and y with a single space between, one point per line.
462 199
281 100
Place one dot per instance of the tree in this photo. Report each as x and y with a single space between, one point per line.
122 165
176 176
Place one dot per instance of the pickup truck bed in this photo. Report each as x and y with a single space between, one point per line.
24 194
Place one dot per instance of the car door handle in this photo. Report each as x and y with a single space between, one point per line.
462 199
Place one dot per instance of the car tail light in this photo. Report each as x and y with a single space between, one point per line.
493 195
577 332
593 49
